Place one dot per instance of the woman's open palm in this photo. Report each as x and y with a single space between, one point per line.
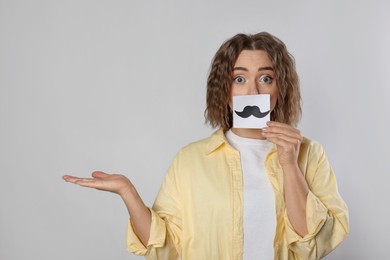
115 183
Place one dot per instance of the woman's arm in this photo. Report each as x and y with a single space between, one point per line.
311 196
288 140
295 196
119 184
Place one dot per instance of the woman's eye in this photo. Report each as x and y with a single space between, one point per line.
266 79
239 80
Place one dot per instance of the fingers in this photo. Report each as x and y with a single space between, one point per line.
283 141
86 182
95 174
69 178
282 130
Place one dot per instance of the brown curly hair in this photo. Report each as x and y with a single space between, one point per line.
219 82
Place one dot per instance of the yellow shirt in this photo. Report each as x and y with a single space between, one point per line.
198 211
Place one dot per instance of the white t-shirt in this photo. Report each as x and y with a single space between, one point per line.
259 200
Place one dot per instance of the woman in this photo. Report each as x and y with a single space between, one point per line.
241 193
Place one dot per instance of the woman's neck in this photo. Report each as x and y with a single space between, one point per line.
248 133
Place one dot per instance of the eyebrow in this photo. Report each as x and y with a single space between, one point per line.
260 69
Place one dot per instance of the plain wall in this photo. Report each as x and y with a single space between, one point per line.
119 86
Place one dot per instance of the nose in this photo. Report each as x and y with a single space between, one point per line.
253 89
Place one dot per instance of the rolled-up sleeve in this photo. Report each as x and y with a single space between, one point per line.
156 239
326 212
166 225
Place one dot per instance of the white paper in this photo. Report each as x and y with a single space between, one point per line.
258 108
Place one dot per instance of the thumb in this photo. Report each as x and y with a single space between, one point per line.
99 174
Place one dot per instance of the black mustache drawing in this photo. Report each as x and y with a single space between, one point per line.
251 110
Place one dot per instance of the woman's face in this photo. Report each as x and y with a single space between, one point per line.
253 74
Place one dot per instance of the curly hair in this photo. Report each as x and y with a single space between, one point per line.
219 82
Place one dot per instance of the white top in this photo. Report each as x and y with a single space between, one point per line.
259 200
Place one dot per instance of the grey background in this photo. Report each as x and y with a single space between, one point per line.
119 86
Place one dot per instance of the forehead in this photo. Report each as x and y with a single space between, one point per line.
253 58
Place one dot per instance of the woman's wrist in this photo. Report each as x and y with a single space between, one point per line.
289 167
128 192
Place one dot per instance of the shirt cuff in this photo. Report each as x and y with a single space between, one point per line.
316 215
156 238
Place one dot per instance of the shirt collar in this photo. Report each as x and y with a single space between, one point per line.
217 139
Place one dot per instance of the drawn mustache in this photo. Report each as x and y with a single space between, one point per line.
251 110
